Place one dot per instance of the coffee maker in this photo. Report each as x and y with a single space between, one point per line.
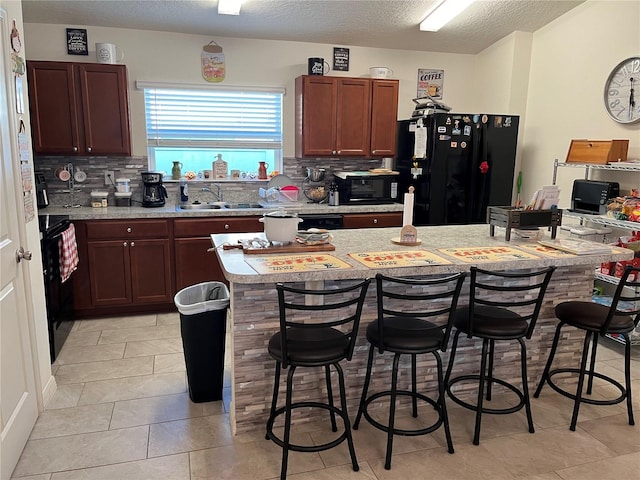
153 192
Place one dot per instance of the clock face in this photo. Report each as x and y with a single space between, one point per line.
621 93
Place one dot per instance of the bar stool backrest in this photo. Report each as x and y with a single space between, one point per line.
523 293
625 304
338 308
424 298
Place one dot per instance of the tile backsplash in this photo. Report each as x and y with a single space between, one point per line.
131 167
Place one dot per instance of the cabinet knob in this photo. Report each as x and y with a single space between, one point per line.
226 226
75 149
124 244
334 152
339 152
128 229
133 244
375 220
374 152
88 149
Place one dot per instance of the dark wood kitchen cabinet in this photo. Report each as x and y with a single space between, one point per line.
372 220
127 264
79 108
345 117
194 262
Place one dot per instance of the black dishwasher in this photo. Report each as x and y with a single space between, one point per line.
329 221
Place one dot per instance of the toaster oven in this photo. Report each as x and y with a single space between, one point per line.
591 196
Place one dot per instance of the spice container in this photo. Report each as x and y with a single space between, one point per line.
99 199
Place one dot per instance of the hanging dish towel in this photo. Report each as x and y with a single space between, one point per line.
68 252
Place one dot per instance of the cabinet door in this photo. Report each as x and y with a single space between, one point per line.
384 117
316 105
53 105
109 272
194 264
353 117
371 220
105 110
151 271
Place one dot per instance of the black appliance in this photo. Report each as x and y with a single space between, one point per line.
366 188
590 196
329 221
58 295
468 165
42 194
154 192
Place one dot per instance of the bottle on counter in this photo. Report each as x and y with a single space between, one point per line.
184 191
220 167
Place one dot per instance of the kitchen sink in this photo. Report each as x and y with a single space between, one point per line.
243 205
198 206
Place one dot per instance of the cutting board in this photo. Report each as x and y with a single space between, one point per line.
291 248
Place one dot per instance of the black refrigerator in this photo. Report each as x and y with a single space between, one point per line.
466 164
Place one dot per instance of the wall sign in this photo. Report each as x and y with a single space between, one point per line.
340 59
77 41
430 82
213 69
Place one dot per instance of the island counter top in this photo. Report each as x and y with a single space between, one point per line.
433 238
253 314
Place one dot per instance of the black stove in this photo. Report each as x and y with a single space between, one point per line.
58 295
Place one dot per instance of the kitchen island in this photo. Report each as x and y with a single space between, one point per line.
361 253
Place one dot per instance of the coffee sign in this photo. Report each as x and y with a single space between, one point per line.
430 82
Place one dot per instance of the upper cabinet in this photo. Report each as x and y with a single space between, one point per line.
79 108
345 117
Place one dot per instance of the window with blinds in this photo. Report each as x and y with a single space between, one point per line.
193 126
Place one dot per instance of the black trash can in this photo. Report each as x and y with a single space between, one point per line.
203 319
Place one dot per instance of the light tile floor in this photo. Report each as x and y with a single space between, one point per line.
122 412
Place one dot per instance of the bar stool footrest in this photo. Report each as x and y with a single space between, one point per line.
398 431
474 407
590 401
308 448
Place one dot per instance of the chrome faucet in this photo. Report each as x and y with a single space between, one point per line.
217 193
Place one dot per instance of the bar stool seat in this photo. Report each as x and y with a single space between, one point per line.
502 306
597 320
317 329
414 317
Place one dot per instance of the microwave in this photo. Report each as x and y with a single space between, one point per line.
366 187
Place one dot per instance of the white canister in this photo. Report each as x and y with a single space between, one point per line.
280 226
108 53
380 72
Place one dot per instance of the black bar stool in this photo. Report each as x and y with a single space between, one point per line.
596 320
414 317
318 328
502 306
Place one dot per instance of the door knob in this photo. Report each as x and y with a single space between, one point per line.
22 254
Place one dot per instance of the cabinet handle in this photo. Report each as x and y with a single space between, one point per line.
375 220
124 244
128 229
226 226
133 244
88 149
75 149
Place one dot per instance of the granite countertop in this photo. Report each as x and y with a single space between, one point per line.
171 211
379 240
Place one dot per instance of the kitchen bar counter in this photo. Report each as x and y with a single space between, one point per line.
254 310
172 211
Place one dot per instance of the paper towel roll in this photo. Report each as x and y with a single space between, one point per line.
407 213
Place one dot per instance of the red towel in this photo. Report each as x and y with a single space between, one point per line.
68 252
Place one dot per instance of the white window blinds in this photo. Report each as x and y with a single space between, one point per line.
234 118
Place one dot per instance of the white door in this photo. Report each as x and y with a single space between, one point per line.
18 403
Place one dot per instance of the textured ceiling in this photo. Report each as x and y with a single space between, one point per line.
367 23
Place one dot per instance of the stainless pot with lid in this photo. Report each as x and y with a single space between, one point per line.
281 226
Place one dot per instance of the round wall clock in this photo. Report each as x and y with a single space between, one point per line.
620 98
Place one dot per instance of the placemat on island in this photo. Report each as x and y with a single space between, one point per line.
544 250
487 254
295 263
399 258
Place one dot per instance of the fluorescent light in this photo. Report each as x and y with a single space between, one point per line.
229 7
444 12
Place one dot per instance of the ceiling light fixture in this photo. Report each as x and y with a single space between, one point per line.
444 12
229 7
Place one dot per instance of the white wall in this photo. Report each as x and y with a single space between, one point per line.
570 60
169 57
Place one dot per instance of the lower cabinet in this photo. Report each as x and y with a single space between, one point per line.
372 220
195 262
124 264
